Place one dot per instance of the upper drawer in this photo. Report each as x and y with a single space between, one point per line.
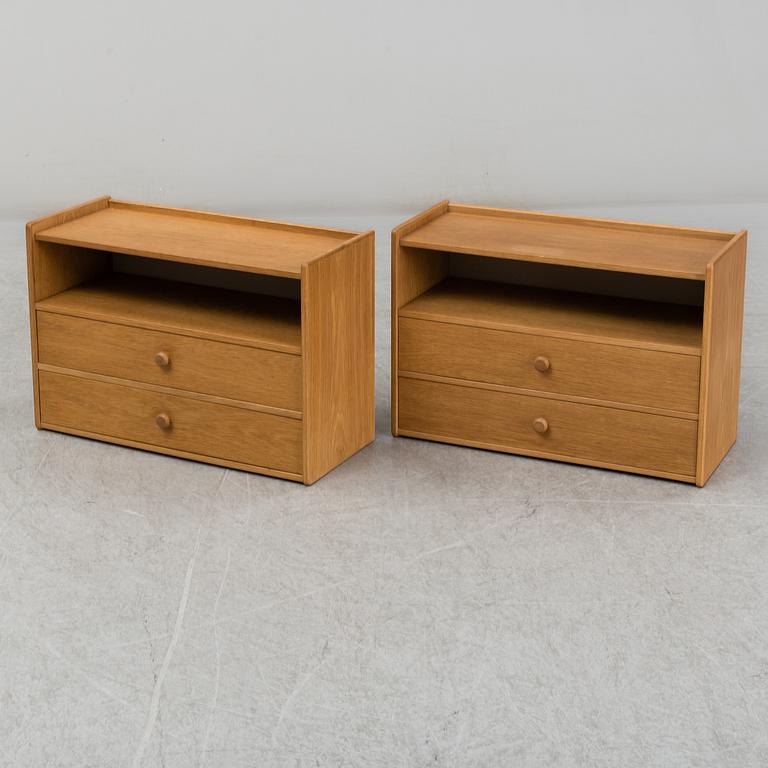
198 365
601 371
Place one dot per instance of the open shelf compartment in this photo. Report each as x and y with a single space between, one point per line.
548 312
222 314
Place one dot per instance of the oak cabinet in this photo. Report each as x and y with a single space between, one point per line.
229 340
606 343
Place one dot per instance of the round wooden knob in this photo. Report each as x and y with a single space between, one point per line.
163 420
163 359
541 425
541 363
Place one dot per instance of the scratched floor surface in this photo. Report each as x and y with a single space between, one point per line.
423 605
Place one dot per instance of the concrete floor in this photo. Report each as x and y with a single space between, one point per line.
423 605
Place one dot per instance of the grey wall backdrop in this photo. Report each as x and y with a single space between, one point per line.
344 105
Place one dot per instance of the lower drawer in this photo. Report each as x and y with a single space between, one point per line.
507 421
169 421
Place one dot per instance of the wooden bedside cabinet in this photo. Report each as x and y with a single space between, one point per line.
218 338
611 344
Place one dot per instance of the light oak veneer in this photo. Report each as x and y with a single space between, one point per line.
521 423
267 322
573 241
635 384
172 360
171 422
231 242
579 316
660 380
279 386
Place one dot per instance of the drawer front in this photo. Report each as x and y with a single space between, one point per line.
218 431
198 365
586 369
583 432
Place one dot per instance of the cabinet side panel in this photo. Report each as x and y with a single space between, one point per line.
412 273
43 281
337 326
58 267
721 357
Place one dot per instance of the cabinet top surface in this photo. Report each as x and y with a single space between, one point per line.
570 240
217 240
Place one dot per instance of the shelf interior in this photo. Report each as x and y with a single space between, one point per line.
269 322
633 322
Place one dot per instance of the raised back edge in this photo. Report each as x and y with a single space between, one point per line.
233 219
589 221
68 214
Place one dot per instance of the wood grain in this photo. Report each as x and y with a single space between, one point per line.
222 432
213 240
412 273
228 218
337 309
199 365
600 371
653 250
579 348
550 456
59 267
578 316
550 395
162 389
220 314
589 221
226 373
63 273
721 359
489 419
175 453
